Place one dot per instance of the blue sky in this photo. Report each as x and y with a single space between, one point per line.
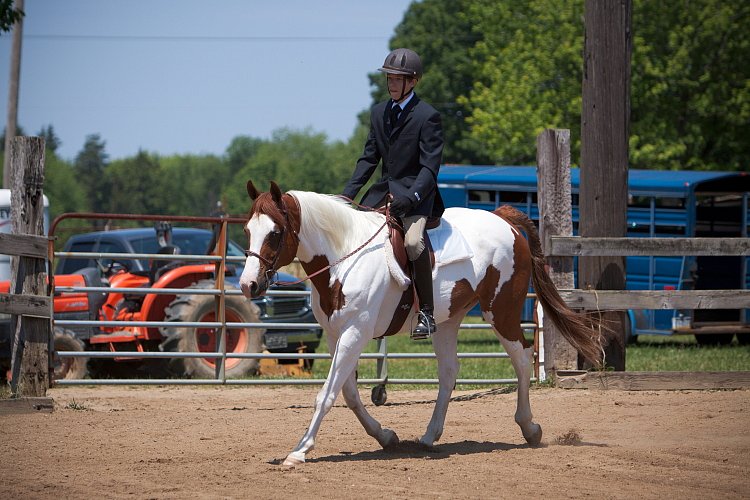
186 76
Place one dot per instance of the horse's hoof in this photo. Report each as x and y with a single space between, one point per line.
534 434
293 459
426 443
388 438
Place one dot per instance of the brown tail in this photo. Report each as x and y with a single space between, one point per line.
575 327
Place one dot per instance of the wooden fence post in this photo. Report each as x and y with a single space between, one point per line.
555 219
605 123
30 357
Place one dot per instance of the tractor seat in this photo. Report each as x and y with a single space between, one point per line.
159 267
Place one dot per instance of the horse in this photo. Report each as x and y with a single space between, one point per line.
355 291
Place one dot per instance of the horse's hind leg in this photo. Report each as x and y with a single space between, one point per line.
522 357
444 344
385 437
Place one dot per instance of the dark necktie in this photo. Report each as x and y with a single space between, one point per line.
395 111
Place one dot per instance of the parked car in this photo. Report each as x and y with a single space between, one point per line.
192 241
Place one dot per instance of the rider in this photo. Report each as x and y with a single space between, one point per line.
407 135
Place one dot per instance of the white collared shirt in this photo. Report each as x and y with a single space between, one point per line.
405 101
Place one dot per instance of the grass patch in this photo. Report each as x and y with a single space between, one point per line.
682 353
74 405
650 353
468 341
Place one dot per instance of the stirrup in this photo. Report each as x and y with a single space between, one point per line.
425 327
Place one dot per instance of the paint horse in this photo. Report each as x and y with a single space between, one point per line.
354 300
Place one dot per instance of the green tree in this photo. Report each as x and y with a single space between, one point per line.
51 140
240 150
529 75
19 131
691 85
9 15
90 167
137 186
62 186
690 80
192 185
294 159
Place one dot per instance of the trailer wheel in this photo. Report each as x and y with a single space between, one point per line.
714 338
68 368
202 308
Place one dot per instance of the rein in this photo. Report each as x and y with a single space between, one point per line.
388 218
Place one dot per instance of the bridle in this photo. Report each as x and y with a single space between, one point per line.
271 271
271 265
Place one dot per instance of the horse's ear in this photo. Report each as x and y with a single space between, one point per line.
252 191
275 193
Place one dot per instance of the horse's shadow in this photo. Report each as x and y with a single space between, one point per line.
414 449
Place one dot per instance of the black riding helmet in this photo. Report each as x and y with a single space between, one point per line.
403 62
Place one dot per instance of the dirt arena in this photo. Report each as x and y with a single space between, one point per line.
187 442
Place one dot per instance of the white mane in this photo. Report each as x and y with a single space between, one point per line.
329 218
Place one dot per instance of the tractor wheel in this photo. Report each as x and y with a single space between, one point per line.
68 368
202 308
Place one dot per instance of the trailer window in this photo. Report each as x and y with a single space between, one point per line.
513 196
481 196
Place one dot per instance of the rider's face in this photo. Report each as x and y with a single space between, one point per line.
396 85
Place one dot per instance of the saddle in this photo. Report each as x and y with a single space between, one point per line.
396 235
409 297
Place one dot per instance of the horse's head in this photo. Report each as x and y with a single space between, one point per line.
272 235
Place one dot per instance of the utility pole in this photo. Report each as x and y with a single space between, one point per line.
605 129
15 78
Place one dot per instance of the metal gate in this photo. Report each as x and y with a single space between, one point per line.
382 357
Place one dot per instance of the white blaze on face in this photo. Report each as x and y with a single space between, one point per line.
258 228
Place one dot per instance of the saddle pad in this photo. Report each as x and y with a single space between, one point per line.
448 244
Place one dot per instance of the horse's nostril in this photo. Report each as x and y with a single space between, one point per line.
253 288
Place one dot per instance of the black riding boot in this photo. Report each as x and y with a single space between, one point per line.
423 283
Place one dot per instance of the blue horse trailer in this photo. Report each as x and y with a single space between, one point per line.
661 203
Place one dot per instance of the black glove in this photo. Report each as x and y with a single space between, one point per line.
400 206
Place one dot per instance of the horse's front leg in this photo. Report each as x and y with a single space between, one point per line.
345 357
385 437
444 342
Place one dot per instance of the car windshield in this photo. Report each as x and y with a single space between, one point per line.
192 243
189 244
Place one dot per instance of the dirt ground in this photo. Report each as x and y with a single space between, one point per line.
198 442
